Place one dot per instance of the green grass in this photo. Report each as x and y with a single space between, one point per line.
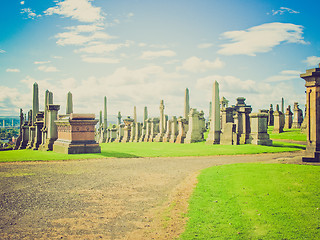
255 201
128 150
290 134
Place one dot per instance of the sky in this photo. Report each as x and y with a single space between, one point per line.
138 52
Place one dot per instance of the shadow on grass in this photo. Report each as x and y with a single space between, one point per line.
118 154
281 145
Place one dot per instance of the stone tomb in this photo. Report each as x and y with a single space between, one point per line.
76 134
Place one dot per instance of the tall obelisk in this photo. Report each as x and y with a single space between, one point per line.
186 104
215 127
35 102
69 108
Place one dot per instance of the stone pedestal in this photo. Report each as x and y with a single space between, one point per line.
174 130
229 135
194 133
167 135
288 118
38 134
127 129
148 130
76 134
138 132
113 134
297 116
278 127
25 136
259 127
52 133
32 134
312 78
270 116
120 133
182 131
154 129
242 121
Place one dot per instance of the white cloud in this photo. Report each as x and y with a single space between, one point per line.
100 48
85 28
44 68
285 75
205 45
261 38
99 60
312 61
15 70
22 2
2 51
155 54
130 15
30 13
81 10
75 38
196 65
41 62
283 10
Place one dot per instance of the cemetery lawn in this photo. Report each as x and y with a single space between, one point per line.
134 150
294 134
255 201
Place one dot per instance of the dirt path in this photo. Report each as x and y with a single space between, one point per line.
142 198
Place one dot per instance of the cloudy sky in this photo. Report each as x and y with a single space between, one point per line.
137 52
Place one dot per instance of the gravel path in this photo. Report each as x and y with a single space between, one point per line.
96 198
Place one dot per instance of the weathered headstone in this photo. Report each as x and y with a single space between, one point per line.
312 83
194 133
182 130
270 116
127 129
288 118
242 120
278 127
52 133
215 129
228 134
259 127
137 132
154 130
167 135
38 135
148 130
297 116
174 130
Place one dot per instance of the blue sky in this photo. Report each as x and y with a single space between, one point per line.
137 52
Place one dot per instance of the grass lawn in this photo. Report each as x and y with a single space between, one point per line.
255 201
290 134
127 150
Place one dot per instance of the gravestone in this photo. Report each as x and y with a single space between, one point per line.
127 129
52 133
154 129
182 130
288 118
259 127
148 129
194 133
167 135
270 116
228 134
75 134
174 129
113 134
297 116
69 108
38 134
278 126
160 135
120 133
138 132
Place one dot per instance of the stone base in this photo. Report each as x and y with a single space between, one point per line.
76 148
23 145
277 130
48 146
296 125
213 138
260 139
172 139
159 137
314 158
30 145
180 139
166 138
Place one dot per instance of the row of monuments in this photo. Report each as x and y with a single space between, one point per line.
228 125
46 130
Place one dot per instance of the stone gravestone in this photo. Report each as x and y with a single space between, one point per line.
194 133
160 135
39 125
288 118
174 129
127 129
148 130
154 129
113 134
120 133
228 134
278 127
312 83
242 120
270 117
259 127
167 135
182 131
52 133
138 132
297 116
76 134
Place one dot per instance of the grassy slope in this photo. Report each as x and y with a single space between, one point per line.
290 134
150 150
255 201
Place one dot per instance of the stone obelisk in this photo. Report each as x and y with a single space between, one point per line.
135 114
186 104
69 108
105 118
215 127
35 102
